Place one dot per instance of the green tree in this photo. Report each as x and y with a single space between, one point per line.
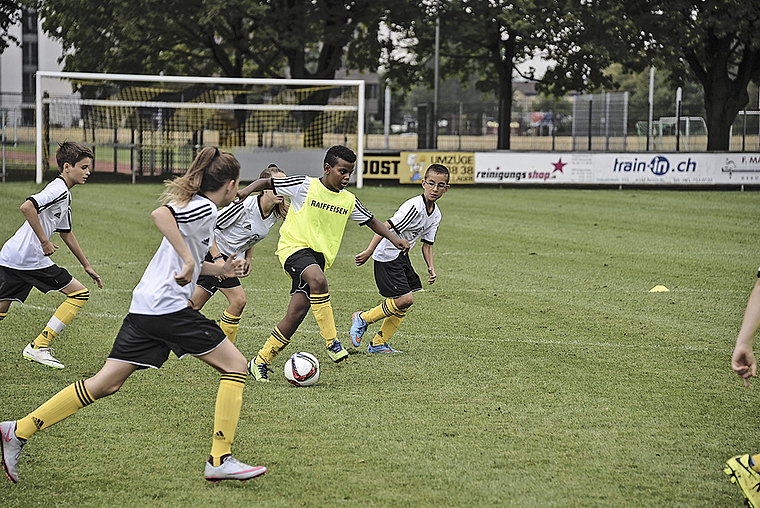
10 14
488 39
711 42
231 38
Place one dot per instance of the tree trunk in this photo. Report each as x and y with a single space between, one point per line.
724 98
724 79
505 94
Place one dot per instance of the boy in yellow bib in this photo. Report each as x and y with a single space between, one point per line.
309 241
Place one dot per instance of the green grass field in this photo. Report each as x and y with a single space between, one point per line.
539 370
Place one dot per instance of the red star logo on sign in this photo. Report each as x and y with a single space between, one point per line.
559 165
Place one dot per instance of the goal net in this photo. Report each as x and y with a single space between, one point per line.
155 125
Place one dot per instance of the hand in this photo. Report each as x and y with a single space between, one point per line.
94 276
403 245
234 267
431 275
186 275
48 248
743 362
241 195
362 257
247 265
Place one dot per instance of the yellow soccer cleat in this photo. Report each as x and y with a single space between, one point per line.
748 480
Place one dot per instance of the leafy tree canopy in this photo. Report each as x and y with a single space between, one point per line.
10 14
234 38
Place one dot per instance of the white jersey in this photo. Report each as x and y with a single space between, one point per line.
23 250
297 188
242 225
410 222
158 293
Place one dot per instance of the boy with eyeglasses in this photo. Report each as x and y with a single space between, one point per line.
416 219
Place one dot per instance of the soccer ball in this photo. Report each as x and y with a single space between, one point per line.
302 369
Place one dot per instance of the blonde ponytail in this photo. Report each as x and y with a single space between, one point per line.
210 170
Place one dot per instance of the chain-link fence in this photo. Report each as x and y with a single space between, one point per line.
612 122
599 122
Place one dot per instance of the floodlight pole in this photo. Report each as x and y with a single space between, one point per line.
434 141
651 105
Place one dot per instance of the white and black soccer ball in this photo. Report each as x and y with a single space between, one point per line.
302 369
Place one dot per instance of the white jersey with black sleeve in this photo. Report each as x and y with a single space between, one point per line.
411 222
297 188
23 250
157 292
242 225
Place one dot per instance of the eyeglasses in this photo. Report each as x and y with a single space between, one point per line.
440 186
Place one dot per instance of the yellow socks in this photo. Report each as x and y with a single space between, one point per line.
229 400
322 309
274 344
230 325
62 317
392 315
2 315
63 404
389 327
385 309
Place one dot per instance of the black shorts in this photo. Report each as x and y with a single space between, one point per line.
396 278
145 340
211 283
16 284
297 263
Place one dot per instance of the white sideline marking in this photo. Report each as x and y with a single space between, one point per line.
568 343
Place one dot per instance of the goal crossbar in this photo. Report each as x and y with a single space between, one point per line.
40 100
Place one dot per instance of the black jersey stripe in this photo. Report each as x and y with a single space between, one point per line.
359 206
288 181
407 219
193 215
60 198
229 215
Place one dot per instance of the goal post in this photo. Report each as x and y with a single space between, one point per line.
171 117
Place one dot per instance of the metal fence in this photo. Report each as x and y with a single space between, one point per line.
599 122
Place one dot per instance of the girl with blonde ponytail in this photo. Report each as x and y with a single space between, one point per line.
240 226
160 321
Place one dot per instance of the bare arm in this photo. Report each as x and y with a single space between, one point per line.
427 255
256 186
364 256
31 216
743 360
382 230
167 225
71 242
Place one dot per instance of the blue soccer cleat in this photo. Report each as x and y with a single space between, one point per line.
382 348
358 327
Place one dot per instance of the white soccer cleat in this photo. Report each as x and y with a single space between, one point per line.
233 469
43 355
12 447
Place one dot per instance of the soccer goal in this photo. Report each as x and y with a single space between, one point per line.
149 125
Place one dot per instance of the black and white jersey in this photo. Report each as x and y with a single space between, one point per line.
23 250
410 222
157 292
242 225
297 189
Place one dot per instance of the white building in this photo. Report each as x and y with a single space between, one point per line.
18 65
